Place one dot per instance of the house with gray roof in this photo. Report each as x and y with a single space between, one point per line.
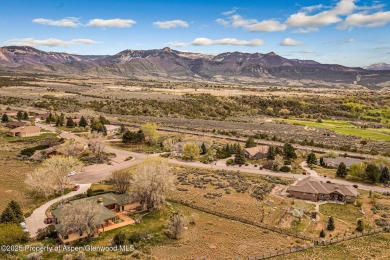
312 189
335 162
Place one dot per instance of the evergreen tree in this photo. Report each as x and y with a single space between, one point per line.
289 151
342 170
360 226
8 216
17 210
322 163
83 122
322 233
203 149
5 118
330 225
250 143
372 173
25 115
271 153
239 158
103 120
19 115
311 159
48 119
70 123
385 176
60 120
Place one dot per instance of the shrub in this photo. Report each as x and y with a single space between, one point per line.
230 162
35 256
136 237
285 168
49 231
80 256
322 233
119 239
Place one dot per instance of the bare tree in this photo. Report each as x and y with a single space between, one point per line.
58 167
81 216
39 184
71 148
278 162
152 179
121 181
176 224
97 146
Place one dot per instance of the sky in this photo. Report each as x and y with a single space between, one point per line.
347 32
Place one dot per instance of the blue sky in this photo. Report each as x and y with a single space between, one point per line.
348 32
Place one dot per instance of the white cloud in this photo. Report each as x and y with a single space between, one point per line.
305 30
120 23
366 20
351 40
230 12
170 24
312 8
290 42
252 25
324 18
51 42
225 41
304 52
66 22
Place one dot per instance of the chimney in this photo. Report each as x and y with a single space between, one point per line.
100 201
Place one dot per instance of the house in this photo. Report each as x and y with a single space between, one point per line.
10 113
255 153
111 211
112 129
15 124
26 131
312 189
335 162
41 117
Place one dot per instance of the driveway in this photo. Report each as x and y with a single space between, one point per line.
36 220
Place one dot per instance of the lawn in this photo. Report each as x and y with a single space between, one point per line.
345 127
348 212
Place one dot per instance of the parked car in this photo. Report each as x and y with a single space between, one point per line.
48 220
72 173
24 226
76 187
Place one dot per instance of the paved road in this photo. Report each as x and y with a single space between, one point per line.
36 220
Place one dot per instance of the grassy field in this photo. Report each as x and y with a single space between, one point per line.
370 247
345 127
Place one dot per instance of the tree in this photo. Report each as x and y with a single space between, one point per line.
17 210
60 120
150 132
4 118
342 170
19 115
70 123
372 173
8 216
250 143
322 163
25 115
119 239
191 151
322 233
360 226
38 183
81 216
121 181
330 225
133 137
98 127
271 153
175 226
385 176
71 148
203 149
278 162
289 151
239 158
97 147
311 159
357 170
58 167
103 120
83 122
152 179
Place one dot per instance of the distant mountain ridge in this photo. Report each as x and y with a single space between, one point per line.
172 64
378 66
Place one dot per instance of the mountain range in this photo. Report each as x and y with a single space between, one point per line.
175 65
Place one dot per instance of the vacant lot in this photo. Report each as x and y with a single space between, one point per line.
371 247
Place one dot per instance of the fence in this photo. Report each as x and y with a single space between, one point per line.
281 252
350 236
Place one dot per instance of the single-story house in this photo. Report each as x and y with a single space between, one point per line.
312 189
178 146
10 113
15 124
112 129
111 205
42 117
26 131
335 162
255 153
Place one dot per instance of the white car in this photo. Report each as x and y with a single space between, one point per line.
24 226
72 173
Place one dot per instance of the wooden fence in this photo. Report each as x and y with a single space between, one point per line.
281 252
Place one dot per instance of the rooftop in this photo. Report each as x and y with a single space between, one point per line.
258 149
